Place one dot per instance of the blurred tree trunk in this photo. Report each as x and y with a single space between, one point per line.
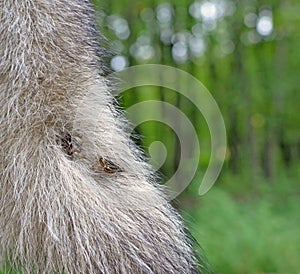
269 153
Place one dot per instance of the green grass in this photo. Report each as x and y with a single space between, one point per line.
7 269
255 232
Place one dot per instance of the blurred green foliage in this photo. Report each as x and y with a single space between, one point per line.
246 54
249 232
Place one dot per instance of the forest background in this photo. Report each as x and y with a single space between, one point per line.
247 55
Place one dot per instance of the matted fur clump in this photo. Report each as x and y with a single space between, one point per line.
75 196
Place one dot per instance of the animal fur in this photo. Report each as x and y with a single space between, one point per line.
75 195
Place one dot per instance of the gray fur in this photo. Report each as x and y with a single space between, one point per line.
60 210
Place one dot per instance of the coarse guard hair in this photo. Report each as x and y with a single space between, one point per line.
75 194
